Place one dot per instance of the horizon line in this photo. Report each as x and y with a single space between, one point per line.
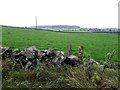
56 25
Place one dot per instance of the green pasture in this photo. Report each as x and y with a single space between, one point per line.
96 44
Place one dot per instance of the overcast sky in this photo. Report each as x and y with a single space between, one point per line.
84 13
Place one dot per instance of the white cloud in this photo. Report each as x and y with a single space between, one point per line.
85 13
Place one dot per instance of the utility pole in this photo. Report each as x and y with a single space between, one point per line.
36 22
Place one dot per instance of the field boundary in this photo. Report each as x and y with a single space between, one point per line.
61 31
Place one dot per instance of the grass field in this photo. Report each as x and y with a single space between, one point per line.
50 75
96 44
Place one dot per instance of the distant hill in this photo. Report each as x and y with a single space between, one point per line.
56 27
68 28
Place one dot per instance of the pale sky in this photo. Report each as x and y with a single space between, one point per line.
84 13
